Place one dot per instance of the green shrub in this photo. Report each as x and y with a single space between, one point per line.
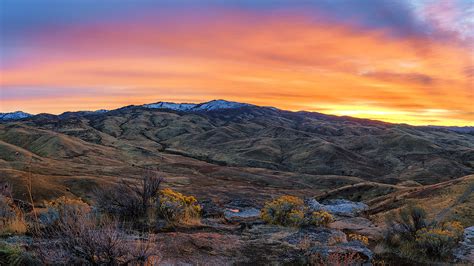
177 208
14 255
402 226
285 210
439 241
410 234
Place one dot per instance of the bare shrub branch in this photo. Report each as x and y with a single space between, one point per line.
130 199
88 240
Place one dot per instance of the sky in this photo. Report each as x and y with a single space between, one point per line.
401 61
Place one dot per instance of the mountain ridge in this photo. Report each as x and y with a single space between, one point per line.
213 105
250 149
14 115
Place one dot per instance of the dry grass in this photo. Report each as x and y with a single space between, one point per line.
336 259
17 226
12 220
451 200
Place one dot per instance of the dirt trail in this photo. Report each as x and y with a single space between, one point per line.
461 199
383 202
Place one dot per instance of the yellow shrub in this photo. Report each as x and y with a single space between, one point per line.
411 235
61 209
439 241
360 238
68 206
455 227
296 217
178 208
286 210
320 218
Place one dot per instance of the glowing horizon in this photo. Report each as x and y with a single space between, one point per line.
318 58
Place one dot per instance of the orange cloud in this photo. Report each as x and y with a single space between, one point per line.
285 61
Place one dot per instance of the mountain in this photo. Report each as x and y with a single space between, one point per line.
171 106
14 115
189 107
218 105
225 149
81 113
465 129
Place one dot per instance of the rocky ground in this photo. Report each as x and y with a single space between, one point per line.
235 234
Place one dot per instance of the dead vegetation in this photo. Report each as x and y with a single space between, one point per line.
87 240
115 231
130 200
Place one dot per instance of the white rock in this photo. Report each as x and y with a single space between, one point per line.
345 207
465 251
339 207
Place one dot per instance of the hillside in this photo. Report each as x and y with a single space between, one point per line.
230 149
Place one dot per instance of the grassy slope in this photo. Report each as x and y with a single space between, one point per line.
258 152
449 200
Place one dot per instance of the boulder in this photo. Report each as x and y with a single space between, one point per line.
316 236
302 245
241 210
210 209
264 245
237 214
350 253
344 207
313 205
359 225
338 207
465 251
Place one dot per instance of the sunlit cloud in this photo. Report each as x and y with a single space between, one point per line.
291 59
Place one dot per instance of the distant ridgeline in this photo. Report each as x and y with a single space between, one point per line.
213 105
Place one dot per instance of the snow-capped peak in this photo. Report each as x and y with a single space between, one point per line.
100 111
219 104
172 106
14 115
207 106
